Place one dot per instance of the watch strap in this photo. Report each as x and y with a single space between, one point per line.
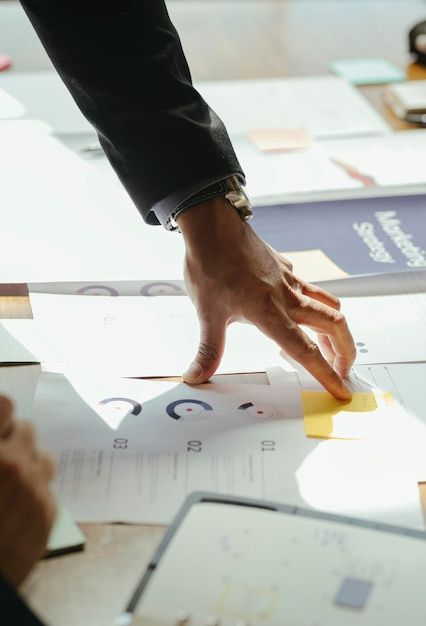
229 187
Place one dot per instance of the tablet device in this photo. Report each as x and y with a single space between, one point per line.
236 562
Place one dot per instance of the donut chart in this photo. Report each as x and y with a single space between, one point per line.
187 409
162 289
257 411
136 407
97 290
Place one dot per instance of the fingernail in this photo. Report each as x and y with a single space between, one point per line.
193 373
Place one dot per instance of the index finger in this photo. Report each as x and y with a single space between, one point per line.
331 323
302 349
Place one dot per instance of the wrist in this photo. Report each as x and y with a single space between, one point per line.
213 220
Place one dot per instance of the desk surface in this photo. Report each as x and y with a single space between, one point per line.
245 40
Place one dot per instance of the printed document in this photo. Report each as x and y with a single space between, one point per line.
132 450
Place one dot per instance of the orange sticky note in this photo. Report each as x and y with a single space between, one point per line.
280 139
5 62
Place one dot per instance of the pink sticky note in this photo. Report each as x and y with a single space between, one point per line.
271 139
5 62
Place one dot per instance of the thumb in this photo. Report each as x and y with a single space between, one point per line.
209 355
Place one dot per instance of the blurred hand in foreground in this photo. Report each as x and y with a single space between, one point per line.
27 508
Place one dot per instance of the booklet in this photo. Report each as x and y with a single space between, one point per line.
341 238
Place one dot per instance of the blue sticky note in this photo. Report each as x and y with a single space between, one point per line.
367 71
353 593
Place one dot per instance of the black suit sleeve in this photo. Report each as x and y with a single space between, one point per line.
13 610
124 65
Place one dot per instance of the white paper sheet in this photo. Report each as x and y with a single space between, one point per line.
325 106
393 283
113 288
390 160
372 285
45 97
132 450
69 221
388 329
19 382
133 336
374 478
151 337
12 350
296 175
10 107
392 164
65 536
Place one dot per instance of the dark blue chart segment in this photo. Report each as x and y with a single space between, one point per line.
257 411
184 409
128 403
360 236
97 290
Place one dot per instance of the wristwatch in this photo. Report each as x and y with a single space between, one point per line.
230 188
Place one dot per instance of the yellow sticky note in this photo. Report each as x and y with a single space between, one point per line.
328 418
314 265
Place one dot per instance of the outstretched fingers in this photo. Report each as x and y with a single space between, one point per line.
331 324
316 293
302 349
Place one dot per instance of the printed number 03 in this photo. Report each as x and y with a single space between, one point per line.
120 444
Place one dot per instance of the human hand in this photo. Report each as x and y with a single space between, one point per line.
27 508
232 275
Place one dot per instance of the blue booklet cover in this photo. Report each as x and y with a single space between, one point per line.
338 238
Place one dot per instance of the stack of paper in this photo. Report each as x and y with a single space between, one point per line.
164 440
131 450
153 337
130 336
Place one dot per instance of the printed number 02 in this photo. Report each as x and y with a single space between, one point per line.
194 446
120 444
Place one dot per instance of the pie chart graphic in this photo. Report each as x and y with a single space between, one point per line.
187 409
124 403
162 289
258 411
97 290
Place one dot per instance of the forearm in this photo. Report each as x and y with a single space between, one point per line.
127 72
